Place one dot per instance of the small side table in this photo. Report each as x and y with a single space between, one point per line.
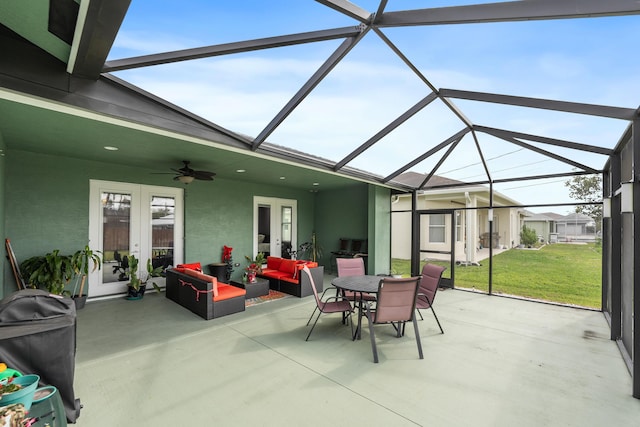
255 289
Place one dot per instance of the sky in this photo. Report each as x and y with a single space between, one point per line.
578 60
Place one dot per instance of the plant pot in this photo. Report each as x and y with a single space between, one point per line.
218 270
79 301
29 383
134 294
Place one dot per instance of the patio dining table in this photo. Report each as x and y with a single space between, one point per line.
359 285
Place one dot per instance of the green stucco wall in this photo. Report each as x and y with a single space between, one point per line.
348 213
48 208
340 214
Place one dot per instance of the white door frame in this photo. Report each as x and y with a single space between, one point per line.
275 204
140 236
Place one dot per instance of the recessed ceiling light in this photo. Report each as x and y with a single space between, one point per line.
241 170
282 177
110 148
316 183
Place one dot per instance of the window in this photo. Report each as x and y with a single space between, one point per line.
459 235
436 228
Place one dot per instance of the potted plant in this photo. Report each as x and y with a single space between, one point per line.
311 250
80 262
227 259
255 266
138 280
51 271
54 272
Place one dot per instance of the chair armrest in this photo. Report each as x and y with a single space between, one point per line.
420 294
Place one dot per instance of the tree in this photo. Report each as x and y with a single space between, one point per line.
587 188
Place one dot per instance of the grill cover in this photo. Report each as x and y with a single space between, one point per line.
38 336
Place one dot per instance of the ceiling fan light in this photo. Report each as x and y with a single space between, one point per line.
185 179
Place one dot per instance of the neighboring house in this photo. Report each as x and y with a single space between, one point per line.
462 205
544 225
576 226
554 227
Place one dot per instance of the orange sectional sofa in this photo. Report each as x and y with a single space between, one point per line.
284 275
203 294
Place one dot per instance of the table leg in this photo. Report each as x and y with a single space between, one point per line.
359 331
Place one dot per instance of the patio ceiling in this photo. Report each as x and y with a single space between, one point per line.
374 93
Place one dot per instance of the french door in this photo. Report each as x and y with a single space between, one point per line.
131 219
274 226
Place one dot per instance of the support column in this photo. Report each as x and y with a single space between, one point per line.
415 235
635 132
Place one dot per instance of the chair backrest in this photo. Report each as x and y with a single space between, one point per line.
350 266
396 299
431 275
306 270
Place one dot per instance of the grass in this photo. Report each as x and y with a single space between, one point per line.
563 273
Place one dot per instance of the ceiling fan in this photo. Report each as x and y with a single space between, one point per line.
186 175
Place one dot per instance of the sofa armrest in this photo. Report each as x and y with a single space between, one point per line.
203 277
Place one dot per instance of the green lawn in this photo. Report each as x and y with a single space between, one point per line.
564 273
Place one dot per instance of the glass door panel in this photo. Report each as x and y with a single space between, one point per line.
162 231
285 227
116 235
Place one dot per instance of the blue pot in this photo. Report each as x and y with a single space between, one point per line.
29 384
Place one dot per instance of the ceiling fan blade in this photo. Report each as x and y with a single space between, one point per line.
186 171
204 175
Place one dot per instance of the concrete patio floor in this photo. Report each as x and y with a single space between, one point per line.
501 362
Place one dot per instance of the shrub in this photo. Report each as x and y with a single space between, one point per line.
528 236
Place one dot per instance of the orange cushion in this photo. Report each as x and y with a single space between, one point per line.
279 275
203 277
310 264
289 279
228 291
194 266
288 266
273 262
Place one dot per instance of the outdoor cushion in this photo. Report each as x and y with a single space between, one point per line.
287 278
273 263
203 277
228 291
194 266
276 274
288 266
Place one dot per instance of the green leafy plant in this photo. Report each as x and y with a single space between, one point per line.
528 236
80 262
136 279
256 263
55 271
311 250
51 272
